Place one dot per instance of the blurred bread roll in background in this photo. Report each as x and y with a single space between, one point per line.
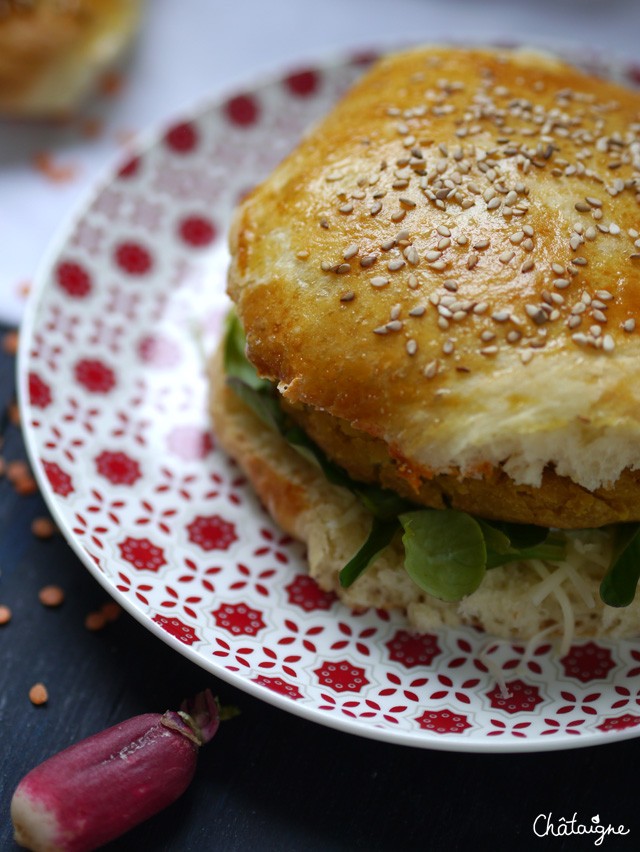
52 52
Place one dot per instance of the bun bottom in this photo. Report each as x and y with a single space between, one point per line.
517 601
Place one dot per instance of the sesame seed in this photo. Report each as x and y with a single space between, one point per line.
444 243
526 355
629 325
348 296
527 266
412 255
443 231
346 208
599 315
593 202
480 308
561 283
487 336
481 244
398 216
411 347
494 204
379 281
396 264
489 350
302 255
608 343
506 256
418 311
527 244
450 284
579 261
536 314
395 325
516 238
350 251
368 260
614 229
472 260
342 268
375 208
574 321
557 268
433 255
431 369
412 281
407 202
500 316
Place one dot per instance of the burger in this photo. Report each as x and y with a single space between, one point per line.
430 375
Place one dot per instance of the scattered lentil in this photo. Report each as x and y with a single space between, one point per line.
38 694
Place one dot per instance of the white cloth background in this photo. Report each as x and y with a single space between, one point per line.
191 50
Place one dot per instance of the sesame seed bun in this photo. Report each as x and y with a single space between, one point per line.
444 281
52 51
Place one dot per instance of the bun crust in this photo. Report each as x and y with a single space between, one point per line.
449 264
333 525
51 51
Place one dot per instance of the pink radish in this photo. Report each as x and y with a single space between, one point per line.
97 789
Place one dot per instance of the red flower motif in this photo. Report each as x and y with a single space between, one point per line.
133 258
276 684
197 231
305 593
617 723
588 662
242 110
60 482
303 83
129 168
74 279
142 554
118 468
94 375
411 649
182 138
239 619
520 697
39 391
189 442
443 722
184 632
212 532
159 351
341 676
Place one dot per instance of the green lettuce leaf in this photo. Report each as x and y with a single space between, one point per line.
620 583
445 552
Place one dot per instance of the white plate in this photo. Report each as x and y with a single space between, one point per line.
114 406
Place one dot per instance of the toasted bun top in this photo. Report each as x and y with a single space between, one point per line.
52 50
450 262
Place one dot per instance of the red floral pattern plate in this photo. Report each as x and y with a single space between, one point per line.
114 405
